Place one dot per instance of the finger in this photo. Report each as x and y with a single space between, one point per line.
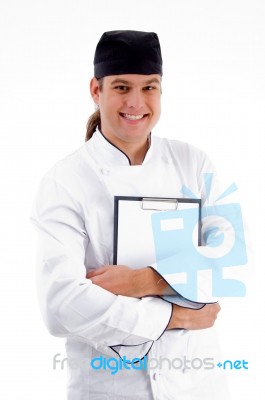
90 274
95 280
95 272
215 307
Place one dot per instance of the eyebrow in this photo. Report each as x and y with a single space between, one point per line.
125 82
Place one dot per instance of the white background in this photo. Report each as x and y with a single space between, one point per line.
213 97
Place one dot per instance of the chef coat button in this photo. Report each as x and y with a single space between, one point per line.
154 376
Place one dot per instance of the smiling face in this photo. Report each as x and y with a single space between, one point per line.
129 105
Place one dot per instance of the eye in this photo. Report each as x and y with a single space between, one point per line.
149 88
122 88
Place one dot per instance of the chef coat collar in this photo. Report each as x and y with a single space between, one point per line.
110 153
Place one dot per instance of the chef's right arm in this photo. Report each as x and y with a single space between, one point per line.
71 305
122 280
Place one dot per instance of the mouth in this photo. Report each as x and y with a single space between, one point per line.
133 117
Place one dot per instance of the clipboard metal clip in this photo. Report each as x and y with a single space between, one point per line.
159 204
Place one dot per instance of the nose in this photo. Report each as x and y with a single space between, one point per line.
135 99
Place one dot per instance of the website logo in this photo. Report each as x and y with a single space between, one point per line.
194 270
148 364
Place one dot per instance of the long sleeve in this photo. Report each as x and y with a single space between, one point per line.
70 304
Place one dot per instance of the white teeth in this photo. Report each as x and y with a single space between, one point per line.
133 117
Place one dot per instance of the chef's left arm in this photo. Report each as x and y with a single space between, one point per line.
122 280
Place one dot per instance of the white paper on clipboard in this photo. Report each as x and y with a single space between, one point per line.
134 244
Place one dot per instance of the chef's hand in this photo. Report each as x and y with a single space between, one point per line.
120 279
194 319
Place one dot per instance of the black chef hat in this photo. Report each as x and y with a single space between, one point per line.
127 52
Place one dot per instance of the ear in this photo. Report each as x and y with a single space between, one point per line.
94 90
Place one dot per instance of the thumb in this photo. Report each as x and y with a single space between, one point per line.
96 272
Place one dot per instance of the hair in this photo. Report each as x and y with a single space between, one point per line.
94 120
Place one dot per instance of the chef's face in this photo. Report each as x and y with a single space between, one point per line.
129 106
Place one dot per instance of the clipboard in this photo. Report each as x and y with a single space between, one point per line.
142 226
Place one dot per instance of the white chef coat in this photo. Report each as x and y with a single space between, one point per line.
73 214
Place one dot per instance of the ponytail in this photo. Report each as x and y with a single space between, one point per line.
92 124
94 119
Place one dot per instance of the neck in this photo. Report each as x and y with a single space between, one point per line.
135 151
